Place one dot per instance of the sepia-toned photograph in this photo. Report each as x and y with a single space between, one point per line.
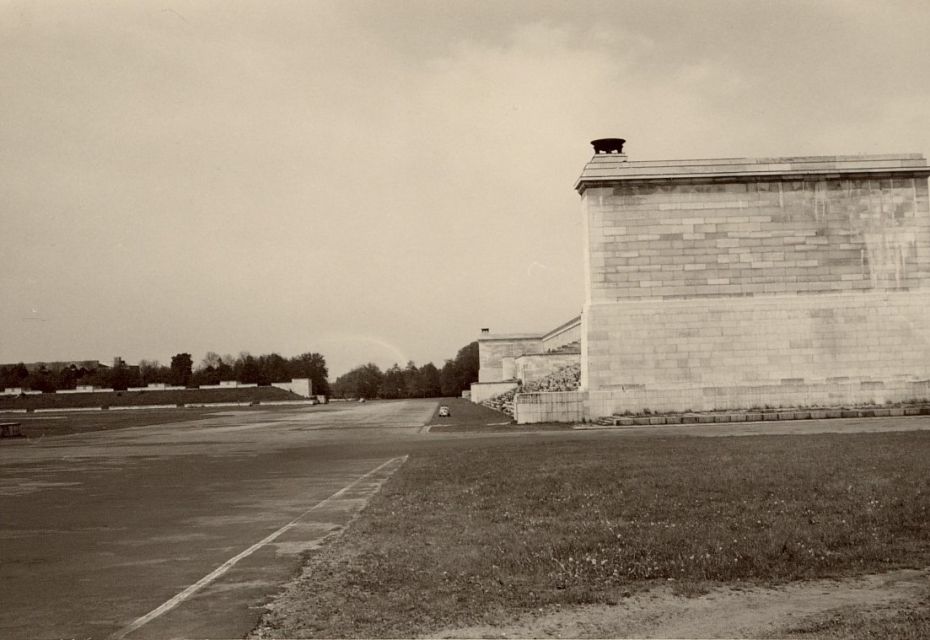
504 319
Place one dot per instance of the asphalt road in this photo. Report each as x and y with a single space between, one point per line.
97 530
189 527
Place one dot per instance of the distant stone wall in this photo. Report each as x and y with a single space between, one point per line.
86 389
493 349
732 283
300 386
229 384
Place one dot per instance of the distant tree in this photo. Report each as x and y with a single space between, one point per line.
204 376
448 380
393 384
67 377
40 380
99 377
360 382
429 381
211 360
224 370
413 386
313 366
466 366
152 371
181 369
120 378
246 369
273 368
15 376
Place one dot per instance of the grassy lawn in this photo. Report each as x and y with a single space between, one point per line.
468 417
142 398
477 535
64 423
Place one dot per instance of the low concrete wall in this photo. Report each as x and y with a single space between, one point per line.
157 386
300 386
481 391
228 384
559 406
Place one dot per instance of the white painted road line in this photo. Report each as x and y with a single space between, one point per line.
226 566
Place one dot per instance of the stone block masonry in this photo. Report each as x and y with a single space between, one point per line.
530 368
757 238
497 350
711 284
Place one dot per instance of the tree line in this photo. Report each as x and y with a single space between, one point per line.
427 381
213 369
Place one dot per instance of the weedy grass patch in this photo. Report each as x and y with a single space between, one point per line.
481 534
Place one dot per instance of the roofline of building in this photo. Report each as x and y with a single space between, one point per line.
565 326
606 169
487 337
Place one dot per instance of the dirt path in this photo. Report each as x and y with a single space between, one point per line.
723 613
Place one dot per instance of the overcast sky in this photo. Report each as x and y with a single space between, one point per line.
377 181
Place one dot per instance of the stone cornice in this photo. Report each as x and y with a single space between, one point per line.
607 169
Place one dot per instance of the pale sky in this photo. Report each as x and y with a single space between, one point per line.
376 181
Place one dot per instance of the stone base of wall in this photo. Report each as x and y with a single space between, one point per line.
559 406
825 393
735 353
481 391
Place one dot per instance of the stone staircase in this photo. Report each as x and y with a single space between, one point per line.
571 347
565 379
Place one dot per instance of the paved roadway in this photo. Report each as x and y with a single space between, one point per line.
187 529
99 529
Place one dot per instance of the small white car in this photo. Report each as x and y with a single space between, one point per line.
444 412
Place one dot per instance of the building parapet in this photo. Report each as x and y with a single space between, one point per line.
604 169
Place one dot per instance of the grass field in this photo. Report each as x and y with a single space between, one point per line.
483 534
57 424
468 417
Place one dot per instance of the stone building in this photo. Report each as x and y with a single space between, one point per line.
738 282
506 360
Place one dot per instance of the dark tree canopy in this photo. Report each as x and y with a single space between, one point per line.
427 381
212 370
182 366
361 382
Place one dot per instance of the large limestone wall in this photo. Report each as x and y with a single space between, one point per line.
757 237
755 290
693 354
